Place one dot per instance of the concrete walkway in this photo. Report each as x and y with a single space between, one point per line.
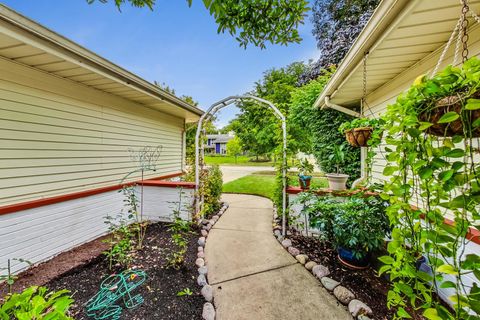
254 277
231 173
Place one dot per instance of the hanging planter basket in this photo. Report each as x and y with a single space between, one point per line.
451 103
358 137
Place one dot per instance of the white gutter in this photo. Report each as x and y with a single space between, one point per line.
330 105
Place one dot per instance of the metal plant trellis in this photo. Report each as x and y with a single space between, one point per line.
199 146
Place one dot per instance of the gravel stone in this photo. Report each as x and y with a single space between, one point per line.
202 280
211 221
208 311
201 241
203 270
329 283
277 233
302 258
293 251
362 317
204 233
208 227
215 218
320 271
200 249
310 264
343 294
204 221
199 262
287 243
207 293
357 308
201 255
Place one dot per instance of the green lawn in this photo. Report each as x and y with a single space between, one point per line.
264 185
241 161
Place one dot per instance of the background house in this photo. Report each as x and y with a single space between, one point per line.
404 39
68 122
217 143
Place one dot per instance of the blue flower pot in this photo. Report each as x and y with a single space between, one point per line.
304 181
348 259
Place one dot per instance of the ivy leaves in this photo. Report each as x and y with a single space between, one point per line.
439 175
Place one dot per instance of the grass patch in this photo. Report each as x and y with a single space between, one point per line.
264 185
241 161
253 184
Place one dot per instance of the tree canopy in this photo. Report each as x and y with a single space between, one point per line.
336 25
234 148
256 125
249 21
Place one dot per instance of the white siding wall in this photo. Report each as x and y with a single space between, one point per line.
59 137
41 233
159 206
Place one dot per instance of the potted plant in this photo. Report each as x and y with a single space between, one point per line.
363 132
448 104
359 228
305 174
337 181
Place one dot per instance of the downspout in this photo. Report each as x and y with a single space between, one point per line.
363 150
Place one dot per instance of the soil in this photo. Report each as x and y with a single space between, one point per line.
365 284
159 290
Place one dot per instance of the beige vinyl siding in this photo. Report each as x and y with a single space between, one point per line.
59 137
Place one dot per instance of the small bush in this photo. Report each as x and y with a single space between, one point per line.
357 223
211 190
36 303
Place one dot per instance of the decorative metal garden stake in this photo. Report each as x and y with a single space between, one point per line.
105 304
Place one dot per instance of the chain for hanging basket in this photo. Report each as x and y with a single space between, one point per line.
455 102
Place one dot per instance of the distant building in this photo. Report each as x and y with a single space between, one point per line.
217 143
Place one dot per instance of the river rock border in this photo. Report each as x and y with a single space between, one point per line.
208 312
357 308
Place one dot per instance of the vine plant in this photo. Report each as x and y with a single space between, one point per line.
434 177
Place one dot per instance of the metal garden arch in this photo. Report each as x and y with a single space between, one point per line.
199 146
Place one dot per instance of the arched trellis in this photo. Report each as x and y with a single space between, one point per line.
217 106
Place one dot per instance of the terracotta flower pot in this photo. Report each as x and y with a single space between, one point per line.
337 181
358 137
451 103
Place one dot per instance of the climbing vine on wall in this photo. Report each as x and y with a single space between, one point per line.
434 170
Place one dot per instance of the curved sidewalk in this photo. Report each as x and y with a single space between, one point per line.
253 277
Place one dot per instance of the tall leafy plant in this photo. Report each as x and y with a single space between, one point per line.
320 127
432 178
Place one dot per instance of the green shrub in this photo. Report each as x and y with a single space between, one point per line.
35 303
358 224
211 190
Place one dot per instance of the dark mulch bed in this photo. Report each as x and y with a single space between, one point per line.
159 290
365 284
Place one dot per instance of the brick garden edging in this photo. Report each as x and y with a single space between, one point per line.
207 290
357 308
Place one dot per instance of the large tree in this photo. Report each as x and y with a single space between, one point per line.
336 25
249 21
256 125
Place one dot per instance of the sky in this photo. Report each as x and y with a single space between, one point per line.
173 44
